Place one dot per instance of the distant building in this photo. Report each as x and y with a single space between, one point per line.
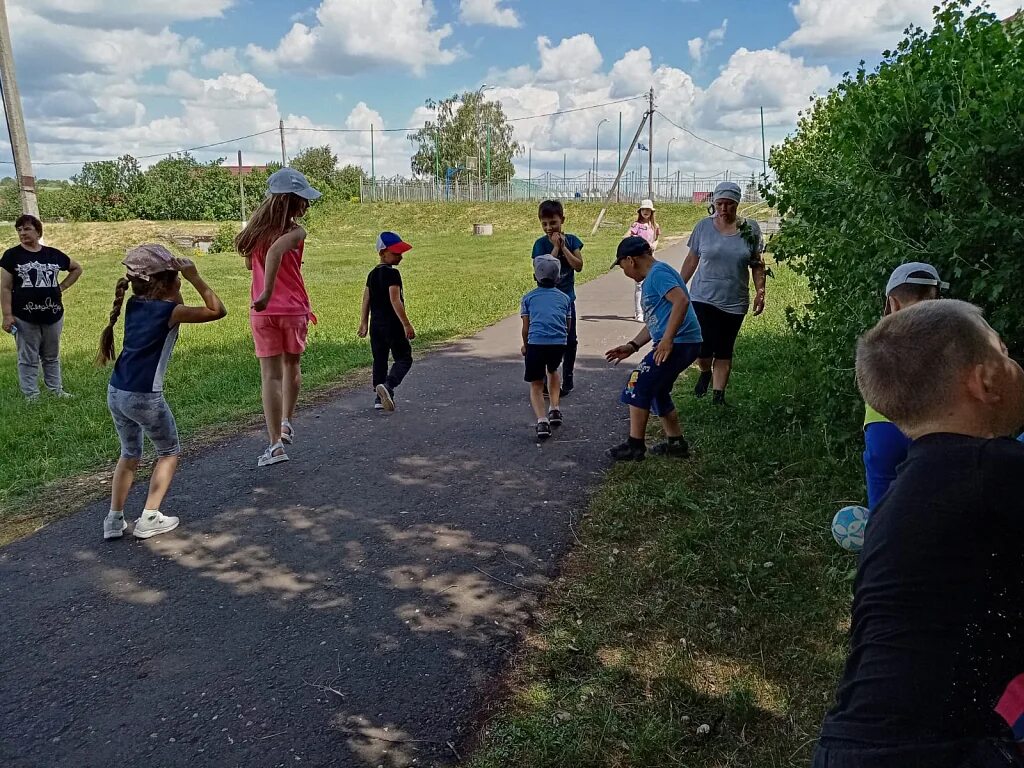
244 170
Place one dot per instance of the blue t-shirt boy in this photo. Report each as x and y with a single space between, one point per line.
548 310
566 282
659 281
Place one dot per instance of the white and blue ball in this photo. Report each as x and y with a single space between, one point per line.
848 527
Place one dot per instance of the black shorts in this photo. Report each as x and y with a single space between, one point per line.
719 330
542 359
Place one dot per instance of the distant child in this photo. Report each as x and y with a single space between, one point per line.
272 244
383 316
885 446
32 304
648 229
135 395
568 249
672 325
547 314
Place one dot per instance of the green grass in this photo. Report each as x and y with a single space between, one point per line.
455 284
703 592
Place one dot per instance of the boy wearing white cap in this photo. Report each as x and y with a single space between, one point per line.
547 314
885 446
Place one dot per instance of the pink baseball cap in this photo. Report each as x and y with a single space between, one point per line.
149 259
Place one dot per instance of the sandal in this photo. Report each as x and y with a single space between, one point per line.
270 456
287 432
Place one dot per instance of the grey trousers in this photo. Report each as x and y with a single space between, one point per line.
38 344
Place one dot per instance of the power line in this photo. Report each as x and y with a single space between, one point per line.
507 120
708 141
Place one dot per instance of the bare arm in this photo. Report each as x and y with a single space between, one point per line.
213 308
526 332
364 314
574 258
395 294
657 238
623 351
74 272
689 265
289 241
7 298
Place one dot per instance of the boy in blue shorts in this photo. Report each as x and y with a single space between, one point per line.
672 325
568 249
546 317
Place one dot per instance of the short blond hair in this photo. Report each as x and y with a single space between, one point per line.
909 364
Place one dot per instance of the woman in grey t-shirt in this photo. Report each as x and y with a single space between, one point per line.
725 253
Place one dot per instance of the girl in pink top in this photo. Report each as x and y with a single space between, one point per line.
272 245
648 229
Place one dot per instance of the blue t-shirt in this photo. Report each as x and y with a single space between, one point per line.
567 276
548 310
148 343
659 281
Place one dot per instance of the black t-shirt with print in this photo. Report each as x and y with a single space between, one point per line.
379 281
35 294
937 629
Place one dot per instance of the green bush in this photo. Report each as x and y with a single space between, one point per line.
920 160
224 240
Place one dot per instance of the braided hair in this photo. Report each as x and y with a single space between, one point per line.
156 285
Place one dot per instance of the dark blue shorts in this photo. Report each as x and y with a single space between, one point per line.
650 386
987 753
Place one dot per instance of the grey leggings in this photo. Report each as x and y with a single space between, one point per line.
143 413
38 343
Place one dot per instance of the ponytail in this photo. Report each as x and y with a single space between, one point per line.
106 353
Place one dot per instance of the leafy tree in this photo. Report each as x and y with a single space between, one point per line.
110 189
460 131
348 181
920 160
180 187
319 164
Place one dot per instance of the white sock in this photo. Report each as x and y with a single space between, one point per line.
543 420
150 513
116 513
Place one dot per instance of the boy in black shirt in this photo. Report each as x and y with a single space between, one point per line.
383 314
937 630
30 297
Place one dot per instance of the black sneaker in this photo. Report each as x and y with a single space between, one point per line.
703 384
555 417
677 449
718 397
543 430
564 391
377 404
626 452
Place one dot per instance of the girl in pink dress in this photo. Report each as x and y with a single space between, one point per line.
272 244
647 228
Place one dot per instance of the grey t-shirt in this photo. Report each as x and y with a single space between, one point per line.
722 278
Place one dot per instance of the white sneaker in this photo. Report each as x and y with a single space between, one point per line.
387 401
114 526
153 524
64 395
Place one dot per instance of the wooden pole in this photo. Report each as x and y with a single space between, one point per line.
622 167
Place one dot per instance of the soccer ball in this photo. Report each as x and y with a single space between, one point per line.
848 527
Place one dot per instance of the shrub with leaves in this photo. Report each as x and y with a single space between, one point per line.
920 160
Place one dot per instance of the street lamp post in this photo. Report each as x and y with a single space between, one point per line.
597 149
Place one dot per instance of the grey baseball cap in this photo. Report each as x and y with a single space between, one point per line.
902 276
727 190
289 180
546 268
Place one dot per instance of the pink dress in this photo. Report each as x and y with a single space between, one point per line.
282 326
648 232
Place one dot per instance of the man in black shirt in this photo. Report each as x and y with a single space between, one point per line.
937 630
383 315
30 297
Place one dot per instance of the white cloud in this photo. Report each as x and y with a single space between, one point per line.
841 27
696 48
107 14
222 60
699 47
573 57
487 12
355 35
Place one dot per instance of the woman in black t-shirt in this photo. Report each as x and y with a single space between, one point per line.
30 297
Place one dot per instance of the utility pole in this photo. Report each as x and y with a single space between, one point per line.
650 145
488 161
241 186
16 120
764 154
373 167
284 157
622 167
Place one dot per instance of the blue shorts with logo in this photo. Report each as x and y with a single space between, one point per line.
650 386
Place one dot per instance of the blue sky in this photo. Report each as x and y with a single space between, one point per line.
105 77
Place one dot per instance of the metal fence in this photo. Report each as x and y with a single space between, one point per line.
678 187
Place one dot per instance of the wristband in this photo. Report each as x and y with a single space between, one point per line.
634 345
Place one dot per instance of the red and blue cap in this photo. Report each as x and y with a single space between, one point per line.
389 241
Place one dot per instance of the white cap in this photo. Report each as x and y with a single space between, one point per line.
546 268
646 203
902 276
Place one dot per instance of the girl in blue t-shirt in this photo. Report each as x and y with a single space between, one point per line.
135 395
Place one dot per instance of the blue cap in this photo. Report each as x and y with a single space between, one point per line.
389 241
288 180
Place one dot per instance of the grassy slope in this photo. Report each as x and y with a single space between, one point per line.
456 284
703 592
